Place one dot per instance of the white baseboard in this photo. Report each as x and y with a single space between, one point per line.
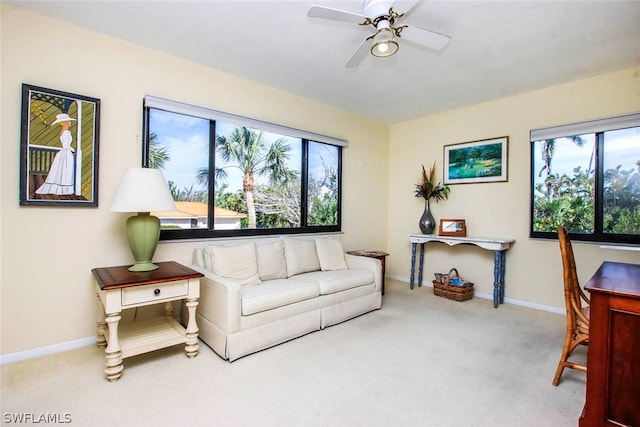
522 303
47 350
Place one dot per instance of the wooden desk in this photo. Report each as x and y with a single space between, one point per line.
498 246
613 358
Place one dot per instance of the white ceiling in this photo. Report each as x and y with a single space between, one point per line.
497 48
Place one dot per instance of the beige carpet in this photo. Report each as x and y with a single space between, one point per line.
419 361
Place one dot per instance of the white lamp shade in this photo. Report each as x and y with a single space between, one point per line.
142 190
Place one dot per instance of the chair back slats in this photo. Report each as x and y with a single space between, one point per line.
569 273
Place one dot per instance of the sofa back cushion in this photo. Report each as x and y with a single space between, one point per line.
271 260
235 262
301 256
330 254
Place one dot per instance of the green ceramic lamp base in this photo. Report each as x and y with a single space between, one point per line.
143 266
143 232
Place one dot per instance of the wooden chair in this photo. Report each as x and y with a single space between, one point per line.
577 314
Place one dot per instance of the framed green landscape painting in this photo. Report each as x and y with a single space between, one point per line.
476 161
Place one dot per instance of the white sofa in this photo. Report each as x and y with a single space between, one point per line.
255 295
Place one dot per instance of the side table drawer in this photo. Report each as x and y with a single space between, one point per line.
159 292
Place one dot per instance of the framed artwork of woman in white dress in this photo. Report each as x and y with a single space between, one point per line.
59 148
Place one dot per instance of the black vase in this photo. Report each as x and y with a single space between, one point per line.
427 221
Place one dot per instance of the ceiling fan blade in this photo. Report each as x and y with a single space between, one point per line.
407 6
323 12
425 38
359 54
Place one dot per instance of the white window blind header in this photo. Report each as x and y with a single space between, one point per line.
206 113
593 126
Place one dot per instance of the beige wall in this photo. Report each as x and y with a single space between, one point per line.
534 269
47 253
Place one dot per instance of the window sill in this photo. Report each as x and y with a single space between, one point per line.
621 247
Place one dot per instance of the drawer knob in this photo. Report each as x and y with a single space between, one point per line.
156 291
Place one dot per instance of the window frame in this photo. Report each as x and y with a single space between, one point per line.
213 117
597 128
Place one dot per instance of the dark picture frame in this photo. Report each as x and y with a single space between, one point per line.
453 227
59 148
476 161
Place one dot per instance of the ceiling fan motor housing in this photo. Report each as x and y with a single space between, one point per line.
376 8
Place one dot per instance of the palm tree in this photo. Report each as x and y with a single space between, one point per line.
246 150
548 149
158 155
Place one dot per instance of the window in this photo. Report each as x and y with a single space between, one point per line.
586 177
235 176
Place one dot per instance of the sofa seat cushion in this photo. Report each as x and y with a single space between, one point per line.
338 280
276 293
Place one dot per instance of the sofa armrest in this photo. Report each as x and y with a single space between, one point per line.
220 301
355 262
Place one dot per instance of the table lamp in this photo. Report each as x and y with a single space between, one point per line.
143 190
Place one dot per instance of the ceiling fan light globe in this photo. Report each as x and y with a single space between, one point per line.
384 48
384 43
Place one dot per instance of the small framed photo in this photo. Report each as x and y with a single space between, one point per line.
453 227
476 161
59 148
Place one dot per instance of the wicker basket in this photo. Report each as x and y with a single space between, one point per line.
453 292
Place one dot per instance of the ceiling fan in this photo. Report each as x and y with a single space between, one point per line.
380 15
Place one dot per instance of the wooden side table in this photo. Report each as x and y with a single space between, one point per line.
373 254
497 245
613 356
119 289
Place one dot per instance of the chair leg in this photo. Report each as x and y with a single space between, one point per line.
566 351
560 368
570 344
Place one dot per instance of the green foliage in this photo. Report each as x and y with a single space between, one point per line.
566 201
187 194
322 198
622 220
569 201
232 201
622 201
323 212
575 213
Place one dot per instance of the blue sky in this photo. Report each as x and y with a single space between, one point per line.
186 139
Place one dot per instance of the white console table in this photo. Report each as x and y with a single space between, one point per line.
498 246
